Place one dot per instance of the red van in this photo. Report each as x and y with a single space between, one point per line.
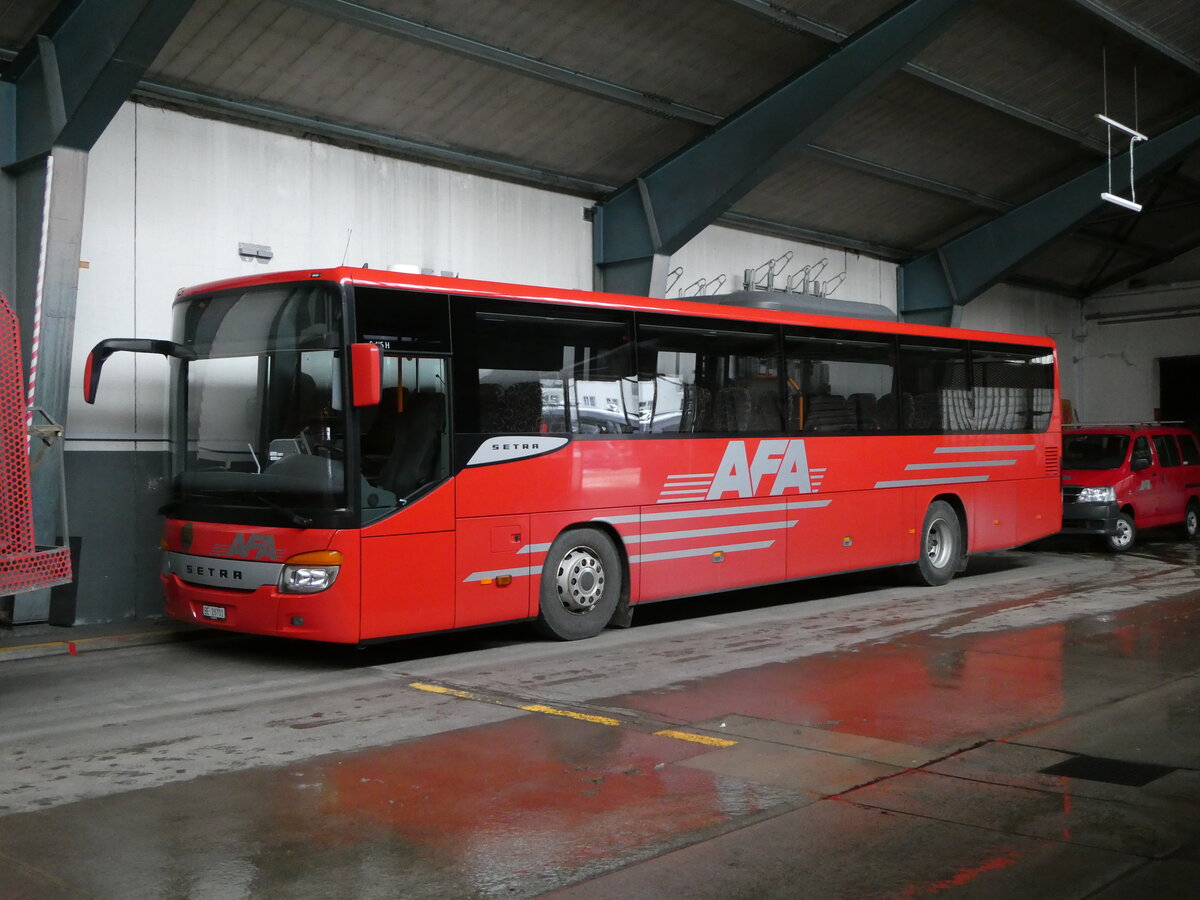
1119 478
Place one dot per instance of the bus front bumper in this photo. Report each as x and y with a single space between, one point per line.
265 610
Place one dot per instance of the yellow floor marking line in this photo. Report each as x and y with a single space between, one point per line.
583 717
438 689
569 714
696 738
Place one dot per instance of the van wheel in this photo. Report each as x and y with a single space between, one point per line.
1122 539
941 545
1191 521
581 584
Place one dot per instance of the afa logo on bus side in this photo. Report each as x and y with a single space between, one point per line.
781 463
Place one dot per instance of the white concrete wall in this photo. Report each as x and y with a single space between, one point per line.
725 251
1119 365
170 196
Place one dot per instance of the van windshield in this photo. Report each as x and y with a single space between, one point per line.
1094 451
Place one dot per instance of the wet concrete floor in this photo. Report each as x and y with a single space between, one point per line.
1031 729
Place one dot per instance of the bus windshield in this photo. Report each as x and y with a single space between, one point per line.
260 417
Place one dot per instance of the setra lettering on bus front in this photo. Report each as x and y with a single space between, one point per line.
785 461
212 572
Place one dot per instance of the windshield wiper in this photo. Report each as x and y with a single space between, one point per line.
290 514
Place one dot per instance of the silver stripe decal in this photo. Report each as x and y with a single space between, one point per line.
533 548
1003 448
973 464
707 475
708 532
678 484
515 573
917 482
692 491
693 513
699 551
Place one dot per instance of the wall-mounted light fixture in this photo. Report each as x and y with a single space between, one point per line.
261 252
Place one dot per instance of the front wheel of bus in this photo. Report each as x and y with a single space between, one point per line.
941 545
581 584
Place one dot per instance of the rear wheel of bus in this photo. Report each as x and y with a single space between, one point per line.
581 584
941 550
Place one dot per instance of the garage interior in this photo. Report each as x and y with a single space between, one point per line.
942 158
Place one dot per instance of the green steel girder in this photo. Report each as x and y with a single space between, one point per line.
67 83
931 286
660 211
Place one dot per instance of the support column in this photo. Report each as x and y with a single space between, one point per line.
660 211
56 98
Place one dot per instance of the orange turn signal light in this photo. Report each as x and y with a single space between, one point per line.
315 558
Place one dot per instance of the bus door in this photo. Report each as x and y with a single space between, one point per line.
407 502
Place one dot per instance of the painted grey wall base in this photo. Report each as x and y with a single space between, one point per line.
114 498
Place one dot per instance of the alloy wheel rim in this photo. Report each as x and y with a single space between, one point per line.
580 580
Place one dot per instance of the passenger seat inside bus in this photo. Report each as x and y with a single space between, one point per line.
417 447
829 412
517 407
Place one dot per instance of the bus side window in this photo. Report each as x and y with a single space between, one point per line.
840 382
936 375
703 380
558 373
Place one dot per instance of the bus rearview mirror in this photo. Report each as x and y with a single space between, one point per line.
366 374
103 350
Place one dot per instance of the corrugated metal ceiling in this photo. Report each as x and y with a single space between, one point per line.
996 110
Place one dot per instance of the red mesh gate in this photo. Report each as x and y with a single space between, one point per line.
23 566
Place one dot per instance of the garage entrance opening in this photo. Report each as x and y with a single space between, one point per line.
1177 398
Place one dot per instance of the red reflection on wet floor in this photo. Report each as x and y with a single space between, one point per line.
533 792
964 876
924 694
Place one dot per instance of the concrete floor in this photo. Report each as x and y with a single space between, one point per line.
1030 730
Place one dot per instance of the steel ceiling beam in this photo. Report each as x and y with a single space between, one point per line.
1164 257
930 286
66 84
418 32
1142 35
408 29
651 217
797 22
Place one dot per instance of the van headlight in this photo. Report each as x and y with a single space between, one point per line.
1098 495
310 573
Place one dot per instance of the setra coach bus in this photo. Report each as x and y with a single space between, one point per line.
361 455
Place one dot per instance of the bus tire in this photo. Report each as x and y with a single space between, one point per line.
581 584
1125 535
941 545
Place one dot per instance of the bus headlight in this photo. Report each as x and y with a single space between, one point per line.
1098 495
310 573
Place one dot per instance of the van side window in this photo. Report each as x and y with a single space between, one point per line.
1168 453
1141 449
1187 444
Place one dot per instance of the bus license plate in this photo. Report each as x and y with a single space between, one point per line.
213 612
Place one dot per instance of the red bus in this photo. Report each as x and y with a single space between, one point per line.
361 455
